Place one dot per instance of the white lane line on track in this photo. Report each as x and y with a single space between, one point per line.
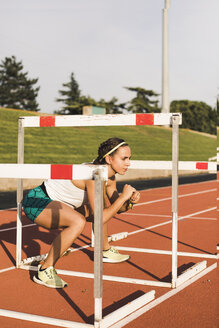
161 216
207 219
143 214
170 221
180 196
14 228
7 269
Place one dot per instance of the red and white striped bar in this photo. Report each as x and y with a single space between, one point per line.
86 172
167 165
51 171
99 120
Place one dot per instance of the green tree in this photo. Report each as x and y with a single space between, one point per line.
16 89
196 115
71 97
145 101
74 100
112 106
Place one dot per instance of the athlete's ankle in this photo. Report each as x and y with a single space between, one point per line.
106 247
45 266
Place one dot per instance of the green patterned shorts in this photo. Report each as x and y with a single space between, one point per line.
35 202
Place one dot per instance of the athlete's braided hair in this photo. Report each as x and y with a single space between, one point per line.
106 146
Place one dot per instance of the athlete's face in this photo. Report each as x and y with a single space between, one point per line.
120 161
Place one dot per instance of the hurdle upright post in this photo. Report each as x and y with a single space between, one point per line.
20 160
98 246
175 155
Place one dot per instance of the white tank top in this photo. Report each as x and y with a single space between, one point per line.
64 191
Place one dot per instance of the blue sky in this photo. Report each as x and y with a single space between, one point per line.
110 44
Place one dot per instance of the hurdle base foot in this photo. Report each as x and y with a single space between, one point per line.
125 310
189 273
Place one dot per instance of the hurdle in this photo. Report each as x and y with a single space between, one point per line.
172 119
53 171
100 175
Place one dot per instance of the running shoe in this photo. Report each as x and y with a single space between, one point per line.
49 278
113 256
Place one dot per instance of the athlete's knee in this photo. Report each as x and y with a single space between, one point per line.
78 222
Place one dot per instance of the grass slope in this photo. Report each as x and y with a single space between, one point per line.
77 145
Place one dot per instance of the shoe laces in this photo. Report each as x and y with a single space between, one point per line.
114 250
50 272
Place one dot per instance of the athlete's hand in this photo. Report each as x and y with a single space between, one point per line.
135 197
128 191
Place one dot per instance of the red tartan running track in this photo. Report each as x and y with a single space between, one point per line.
148 226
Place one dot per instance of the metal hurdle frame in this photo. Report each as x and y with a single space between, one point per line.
99 120
174 119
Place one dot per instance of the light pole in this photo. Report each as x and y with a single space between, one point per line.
165 73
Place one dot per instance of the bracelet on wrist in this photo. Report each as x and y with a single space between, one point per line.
130 205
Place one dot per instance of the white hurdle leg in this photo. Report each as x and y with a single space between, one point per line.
175 152
19 193
92 234
98 247
19 234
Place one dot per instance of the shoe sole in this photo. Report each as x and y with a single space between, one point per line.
40 282
106 260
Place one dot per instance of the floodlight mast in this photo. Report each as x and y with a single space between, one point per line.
165 70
